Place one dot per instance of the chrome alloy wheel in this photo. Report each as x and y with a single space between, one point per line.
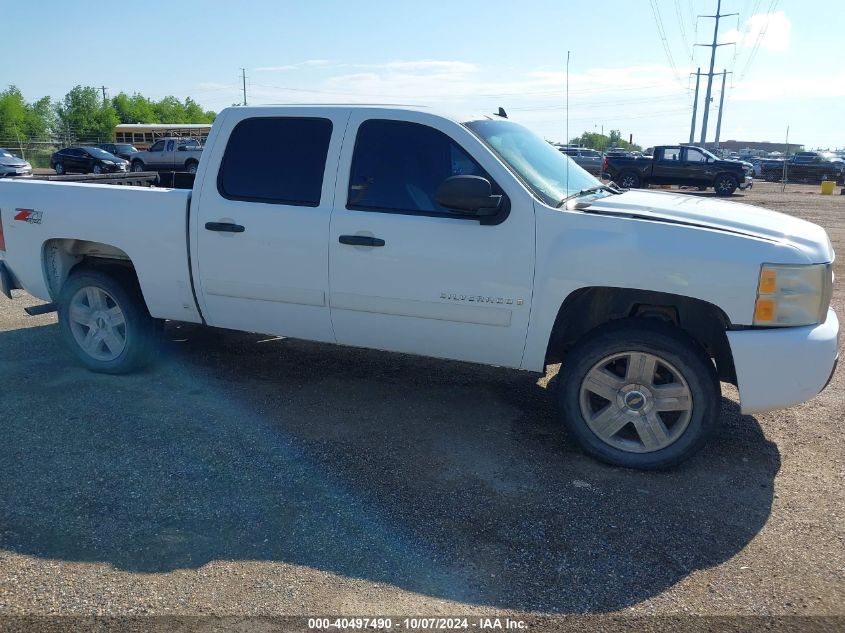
97 323
636 402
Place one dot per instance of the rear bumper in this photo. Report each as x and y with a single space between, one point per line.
781 367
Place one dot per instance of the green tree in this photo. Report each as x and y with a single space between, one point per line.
13 113
84 117
21 121
601 142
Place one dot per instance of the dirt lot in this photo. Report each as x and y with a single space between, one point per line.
253 475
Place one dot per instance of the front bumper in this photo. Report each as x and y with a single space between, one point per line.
781 367
747 183
5 170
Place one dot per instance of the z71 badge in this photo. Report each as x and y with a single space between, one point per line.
28 215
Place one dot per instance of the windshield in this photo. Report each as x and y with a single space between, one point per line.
125 148
548 172
5 153
100 153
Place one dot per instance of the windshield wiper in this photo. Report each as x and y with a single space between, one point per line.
584 192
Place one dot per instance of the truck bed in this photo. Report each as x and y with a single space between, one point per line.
50 226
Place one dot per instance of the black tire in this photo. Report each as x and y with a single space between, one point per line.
702 188
60 168
725 184
141 332
191 166
672 346
629 180
97 168
137 166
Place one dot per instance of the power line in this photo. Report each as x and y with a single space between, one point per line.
760 35
687 48
661 32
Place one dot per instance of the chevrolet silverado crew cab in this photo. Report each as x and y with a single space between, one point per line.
474 239
680 165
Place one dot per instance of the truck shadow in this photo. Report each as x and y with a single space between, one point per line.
446 479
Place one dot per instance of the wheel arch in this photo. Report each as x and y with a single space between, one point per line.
62 256
587 308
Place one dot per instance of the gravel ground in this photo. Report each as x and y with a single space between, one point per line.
248 475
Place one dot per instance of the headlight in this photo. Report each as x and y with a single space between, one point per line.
793 295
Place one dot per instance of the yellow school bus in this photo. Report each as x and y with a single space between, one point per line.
142 135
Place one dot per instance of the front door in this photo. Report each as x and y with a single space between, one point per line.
261 231
698 170
408 275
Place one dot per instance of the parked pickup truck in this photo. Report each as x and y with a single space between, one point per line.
680 165
169 154
804 167
395 228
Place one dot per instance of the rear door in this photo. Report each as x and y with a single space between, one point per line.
669 167
261 226
408 275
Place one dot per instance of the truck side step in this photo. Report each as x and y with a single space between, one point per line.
44 308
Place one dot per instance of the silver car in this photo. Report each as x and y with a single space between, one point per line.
589 159
11 165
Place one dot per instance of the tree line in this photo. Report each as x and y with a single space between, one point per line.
602 142
84 115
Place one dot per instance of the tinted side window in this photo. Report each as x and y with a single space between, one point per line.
398 166
157 146
170 146
276 160
694 156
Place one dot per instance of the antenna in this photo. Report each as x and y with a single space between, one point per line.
567 121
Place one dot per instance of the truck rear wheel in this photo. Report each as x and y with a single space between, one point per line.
629 180
105 323
640 394
725 185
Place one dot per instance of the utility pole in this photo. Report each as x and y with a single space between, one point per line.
694 106
719 15
103 88
721 105
243 75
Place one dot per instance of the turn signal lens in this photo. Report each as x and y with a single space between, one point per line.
764 310
768 282
789 295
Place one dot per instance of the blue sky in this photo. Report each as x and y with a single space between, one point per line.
469 56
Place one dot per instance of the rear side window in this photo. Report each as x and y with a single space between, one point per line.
276 160
398 166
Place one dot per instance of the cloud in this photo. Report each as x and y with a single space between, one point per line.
773 30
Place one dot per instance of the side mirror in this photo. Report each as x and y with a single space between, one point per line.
470 194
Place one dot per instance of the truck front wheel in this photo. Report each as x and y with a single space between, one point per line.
137 166
725 185
105 323
639 393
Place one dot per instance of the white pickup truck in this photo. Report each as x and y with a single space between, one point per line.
400 229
